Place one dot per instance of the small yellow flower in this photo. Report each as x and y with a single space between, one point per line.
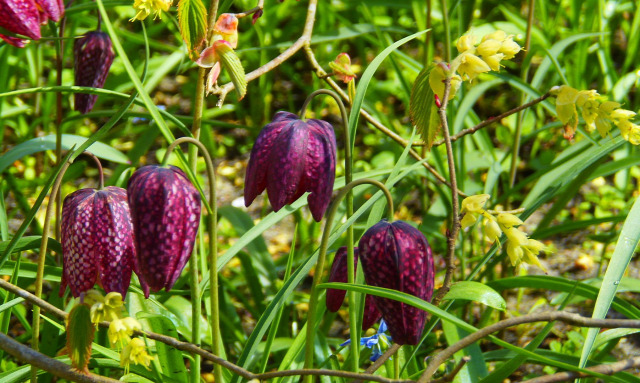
436 81
497 35
492 229
114 300
474 203
494 61
630 131
118 333
510 48
466 42
93 296
622 114
145 8
489 47
97 313
135 352
469 65
515 253
468 220
508 221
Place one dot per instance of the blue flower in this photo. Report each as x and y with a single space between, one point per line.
374 341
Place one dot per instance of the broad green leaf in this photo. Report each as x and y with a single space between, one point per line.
192 18
625 249
31 242
80 332
423 110
40 144
478 292
232 64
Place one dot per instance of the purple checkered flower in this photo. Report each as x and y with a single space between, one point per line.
93 56
335 297
20 17
397 256
165 209
97 241
291 157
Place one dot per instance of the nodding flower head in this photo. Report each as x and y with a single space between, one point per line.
97 241
335 297
291 157
93 56
165 210
397 256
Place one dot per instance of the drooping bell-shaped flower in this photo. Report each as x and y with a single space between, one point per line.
335 297
97 241
291 157
20 17
165 210
93 55
397 256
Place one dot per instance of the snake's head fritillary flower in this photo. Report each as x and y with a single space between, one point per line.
335 297
165 210
20 17
397 256
291 157
97 241
93 55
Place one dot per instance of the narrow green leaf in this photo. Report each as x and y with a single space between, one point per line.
625 248
231 62
30 243
40 144
192 19
423 110
478 292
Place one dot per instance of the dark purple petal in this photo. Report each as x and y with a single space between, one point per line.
397 256
52 9
371 313
320 172
165 209
21 17
257 169
93 55
292 157
339 273
287 165
97 241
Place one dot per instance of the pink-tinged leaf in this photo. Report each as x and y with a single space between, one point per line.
80 333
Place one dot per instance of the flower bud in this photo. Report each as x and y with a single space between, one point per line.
93 57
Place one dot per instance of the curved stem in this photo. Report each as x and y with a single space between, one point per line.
213 267
313 299
35 337
99 166
348 175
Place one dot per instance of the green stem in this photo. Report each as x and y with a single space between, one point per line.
213 267
520 116
313 299
35 337
447 31
348 175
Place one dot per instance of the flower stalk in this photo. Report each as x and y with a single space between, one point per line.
213 268
313 299
348 175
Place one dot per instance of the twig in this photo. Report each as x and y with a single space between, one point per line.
370 119
455 215
497 118
192 348
253 10
562 316
56 367
450 376
282 57
606 369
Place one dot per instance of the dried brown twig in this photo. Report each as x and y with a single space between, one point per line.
606 369
561 316
60 369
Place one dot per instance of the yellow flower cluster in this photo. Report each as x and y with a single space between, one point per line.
121 328
473 59
597 113
520 248
145 8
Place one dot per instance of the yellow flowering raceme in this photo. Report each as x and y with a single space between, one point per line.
596 113
145 8
475 59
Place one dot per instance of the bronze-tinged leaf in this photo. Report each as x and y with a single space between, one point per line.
80 332
192 18
231 62
423 110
